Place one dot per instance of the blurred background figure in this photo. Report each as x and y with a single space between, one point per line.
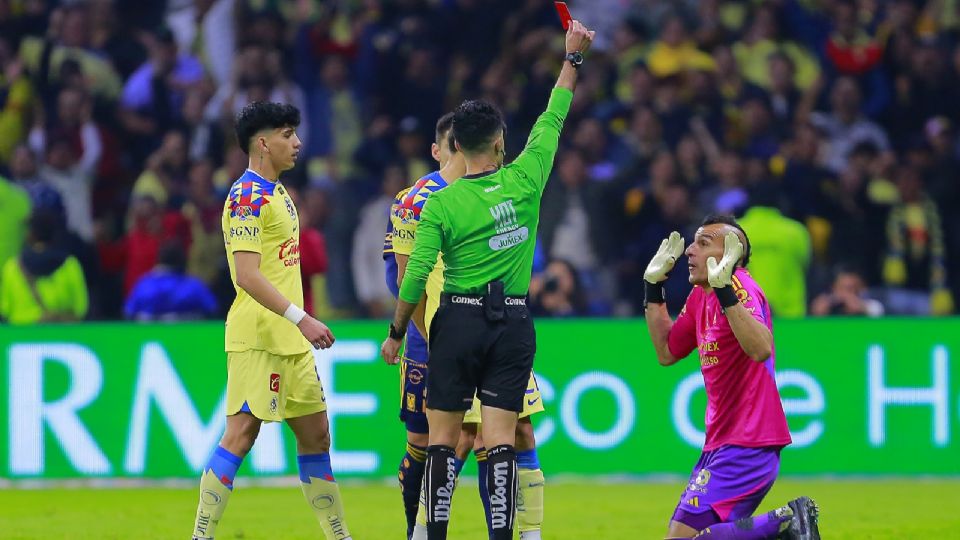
167 293
557 292
847 296
44 283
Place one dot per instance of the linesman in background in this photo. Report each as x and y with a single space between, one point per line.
482 338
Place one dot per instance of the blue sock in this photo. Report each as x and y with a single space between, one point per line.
224 464
458 465
527 459
481 454
315 465
411 480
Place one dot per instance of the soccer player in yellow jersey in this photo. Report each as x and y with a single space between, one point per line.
404 217
271 374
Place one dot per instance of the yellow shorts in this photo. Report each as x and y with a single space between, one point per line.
532 403
273 387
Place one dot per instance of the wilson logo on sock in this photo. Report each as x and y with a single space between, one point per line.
441 509
498 496
274 382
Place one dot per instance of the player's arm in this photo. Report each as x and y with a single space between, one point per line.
416 270
536 159
753 336
659 323
254 283
419 312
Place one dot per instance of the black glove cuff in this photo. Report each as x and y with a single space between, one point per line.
726 296
653 293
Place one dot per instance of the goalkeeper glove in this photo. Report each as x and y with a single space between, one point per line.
662 263
720 275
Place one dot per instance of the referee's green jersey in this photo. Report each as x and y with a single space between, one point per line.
486 225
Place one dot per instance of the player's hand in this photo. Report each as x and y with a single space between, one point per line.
316 333
662 263
578 37
390 351
721 274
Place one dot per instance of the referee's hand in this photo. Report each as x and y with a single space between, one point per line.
316 333
390 351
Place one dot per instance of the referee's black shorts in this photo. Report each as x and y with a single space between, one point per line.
469 353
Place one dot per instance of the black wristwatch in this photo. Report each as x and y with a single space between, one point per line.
396 334
575 59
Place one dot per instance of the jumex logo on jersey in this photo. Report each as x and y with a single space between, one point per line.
509 233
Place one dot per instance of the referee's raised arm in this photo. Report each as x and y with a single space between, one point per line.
536 159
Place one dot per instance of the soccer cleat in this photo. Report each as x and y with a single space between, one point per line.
803 524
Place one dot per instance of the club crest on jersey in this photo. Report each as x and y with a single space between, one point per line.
274 382
404 214
243 212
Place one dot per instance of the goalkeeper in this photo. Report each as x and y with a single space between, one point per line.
727 319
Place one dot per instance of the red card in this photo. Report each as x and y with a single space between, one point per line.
564 13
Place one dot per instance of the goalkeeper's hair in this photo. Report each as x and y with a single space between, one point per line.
261 115
445 131
727 219
475 125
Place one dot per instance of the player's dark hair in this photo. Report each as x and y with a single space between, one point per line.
261 115
727 219
475 124
445 131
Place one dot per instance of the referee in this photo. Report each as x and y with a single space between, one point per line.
482 338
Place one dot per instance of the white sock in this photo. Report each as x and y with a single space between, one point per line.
419 532
530 535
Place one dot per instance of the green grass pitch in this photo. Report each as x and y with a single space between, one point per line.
851 509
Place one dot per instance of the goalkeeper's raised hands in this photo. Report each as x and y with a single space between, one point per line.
662 263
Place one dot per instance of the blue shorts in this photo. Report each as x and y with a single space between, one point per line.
727 484
413 395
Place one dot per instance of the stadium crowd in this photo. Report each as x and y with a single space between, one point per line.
829 126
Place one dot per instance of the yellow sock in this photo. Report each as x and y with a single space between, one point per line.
324 498
530 500
213 500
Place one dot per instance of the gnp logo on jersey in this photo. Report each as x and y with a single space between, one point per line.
274 382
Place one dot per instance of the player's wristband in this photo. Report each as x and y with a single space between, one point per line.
395 333
653 293
726 296
294 313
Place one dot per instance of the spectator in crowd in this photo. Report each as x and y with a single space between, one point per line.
313 255
16 98
847 296
915 266
13 218
366 261
45 283
168 293
780 252
846 126
203 211
557 292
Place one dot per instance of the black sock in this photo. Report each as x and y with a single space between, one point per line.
438 482
411 480
502 489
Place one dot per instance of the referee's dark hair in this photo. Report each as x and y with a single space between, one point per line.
726 219
261 115
475 125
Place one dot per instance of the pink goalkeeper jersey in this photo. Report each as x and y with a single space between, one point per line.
743 403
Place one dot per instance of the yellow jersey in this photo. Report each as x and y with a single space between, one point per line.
405 216
259 217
